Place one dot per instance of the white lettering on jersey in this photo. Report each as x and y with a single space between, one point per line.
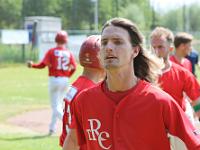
102 136
63 59
70 114
71 93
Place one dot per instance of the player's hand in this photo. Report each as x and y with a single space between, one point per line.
29 64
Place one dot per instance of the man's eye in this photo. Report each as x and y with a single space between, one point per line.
103 42
117 42
160 47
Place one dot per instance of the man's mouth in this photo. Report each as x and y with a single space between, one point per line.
110 57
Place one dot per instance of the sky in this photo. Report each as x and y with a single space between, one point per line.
165 5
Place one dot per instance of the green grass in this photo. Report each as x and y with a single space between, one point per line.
23 89
28 142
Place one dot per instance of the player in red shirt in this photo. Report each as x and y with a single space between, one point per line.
175 80
92 74
126 111
180 79
61 65
182 43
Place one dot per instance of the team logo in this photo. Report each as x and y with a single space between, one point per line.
95 135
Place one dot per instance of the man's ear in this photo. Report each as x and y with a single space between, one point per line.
182 46
136 50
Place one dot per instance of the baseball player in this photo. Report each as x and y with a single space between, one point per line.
92 74
126 111
183 46
61 65
193 57
175 79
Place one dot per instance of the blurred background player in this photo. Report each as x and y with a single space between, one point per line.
180 79
91 75
193 57
61 65
183 46
175 80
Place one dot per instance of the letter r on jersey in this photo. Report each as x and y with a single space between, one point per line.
92 131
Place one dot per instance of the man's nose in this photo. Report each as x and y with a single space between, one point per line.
109 46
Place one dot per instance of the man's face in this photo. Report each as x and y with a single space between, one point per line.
186 48
160 46
116 49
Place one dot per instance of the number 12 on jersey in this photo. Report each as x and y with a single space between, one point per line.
63 63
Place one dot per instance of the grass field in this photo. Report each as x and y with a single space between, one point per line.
23 89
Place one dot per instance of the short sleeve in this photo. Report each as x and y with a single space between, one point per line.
78 119
191 86
177 124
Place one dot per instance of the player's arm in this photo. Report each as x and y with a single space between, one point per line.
192 90
30 64
43 63
70 142
177 124
72 65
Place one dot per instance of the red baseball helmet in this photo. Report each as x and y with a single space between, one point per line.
61 37
88 55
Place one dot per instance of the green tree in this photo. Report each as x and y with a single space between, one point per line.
172 20
194 17
40 7
10 13
107 10
137 10
65 12
82 14
136 16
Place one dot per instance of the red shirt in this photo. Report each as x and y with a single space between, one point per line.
80 84
60 62
177 80
185 63
140 121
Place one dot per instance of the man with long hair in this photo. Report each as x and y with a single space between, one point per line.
126 111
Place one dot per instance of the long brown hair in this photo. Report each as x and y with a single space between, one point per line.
145 67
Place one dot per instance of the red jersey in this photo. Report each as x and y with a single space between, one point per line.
80 84
140 121
60 62
177 80
185 63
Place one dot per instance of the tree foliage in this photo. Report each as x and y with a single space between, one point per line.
40 7
194 17
136 16
179 18
79 14
10 13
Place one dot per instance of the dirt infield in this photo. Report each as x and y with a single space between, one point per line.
36 121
